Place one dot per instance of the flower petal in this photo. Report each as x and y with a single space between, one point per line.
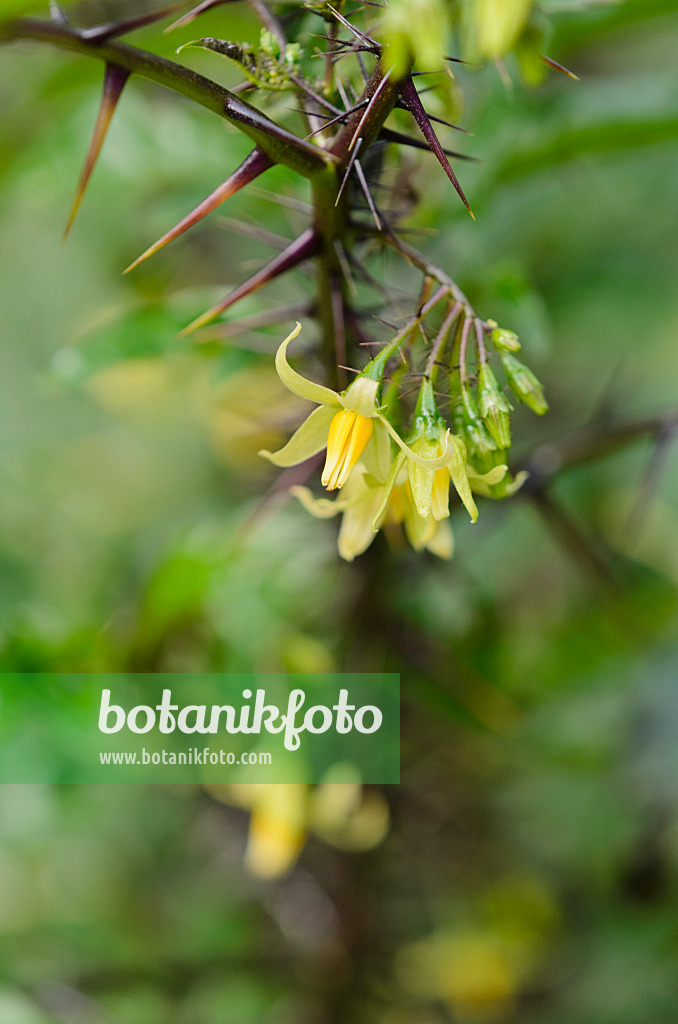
516 483
309 439
377 455
297 384
441 543
388 487
356 532
457 468
321 508
421 480
493 476
481 483
419 530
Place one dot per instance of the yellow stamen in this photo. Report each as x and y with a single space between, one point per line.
348 435
440 497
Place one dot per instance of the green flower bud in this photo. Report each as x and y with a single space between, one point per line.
524 384
479 441
504 341
494 407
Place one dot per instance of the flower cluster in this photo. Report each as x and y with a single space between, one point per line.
384 481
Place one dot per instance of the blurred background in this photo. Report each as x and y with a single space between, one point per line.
525 869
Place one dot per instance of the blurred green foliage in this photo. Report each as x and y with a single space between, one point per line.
530 871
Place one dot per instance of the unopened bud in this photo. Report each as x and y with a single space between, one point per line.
494 407
479 441
524 384
504 341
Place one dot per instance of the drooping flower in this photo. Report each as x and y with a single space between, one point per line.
430 486
432 533
367 503
345 423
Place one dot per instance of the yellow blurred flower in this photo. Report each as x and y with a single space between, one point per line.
341 813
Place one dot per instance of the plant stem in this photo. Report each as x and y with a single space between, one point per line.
279 144
440 339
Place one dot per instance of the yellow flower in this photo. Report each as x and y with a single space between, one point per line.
346 424
339 810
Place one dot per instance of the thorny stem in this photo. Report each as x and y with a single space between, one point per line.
329 63
324 166
332 219
279 144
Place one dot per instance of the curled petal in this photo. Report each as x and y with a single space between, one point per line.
516 483
297 384
492 477
438 463
321 508
309 439
482 482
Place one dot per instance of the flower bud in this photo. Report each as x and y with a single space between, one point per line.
468 422
524 384
494 407
504 341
